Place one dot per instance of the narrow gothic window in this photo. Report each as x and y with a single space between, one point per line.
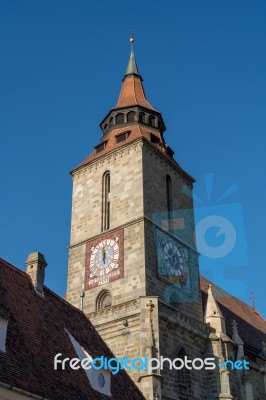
3 331
106 202
183 378
104 300
169 193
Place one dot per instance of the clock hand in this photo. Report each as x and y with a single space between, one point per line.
103 255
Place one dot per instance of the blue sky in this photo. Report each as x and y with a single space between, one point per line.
203 64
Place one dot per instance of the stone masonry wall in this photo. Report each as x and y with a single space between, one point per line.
155 170
126 199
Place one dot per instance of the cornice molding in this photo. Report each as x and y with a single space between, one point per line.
184 320
139 142
99 235
115 311
113 154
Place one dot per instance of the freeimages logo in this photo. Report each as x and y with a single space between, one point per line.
219 232
145 364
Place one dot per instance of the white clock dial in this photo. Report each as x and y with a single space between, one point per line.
104 257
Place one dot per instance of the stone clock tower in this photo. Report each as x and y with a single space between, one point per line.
132 248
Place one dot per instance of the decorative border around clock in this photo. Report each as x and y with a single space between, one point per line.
92 243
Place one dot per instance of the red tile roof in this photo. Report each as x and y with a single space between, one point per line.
136 131
36 333
132 93
251 325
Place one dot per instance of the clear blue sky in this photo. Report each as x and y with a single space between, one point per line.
203 64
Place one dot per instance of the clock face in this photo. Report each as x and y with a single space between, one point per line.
104 259
172 261
173 258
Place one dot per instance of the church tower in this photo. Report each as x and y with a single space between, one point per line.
132 259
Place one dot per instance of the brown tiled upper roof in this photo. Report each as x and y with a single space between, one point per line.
36 333
136 131
251 325
132 93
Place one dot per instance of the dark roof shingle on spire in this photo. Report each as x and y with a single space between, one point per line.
37 332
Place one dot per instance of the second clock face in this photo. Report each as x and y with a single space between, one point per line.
173 261
104 257
173 258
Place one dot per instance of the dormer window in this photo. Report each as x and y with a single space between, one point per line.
3 331
154 139
170 152
100 147
100 379
122 136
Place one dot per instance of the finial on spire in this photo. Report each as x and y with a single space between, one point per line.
132 40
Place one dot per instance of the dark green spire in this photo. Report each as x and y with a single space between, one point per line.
132 65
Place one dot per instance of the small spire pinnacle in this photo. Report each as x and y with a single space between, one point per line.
213 314
132 65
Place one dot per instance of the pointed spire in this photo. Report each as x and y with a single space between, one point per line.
132 64
132 91
213 314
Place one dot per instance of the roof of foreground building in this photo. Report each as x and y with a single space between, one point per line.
39 327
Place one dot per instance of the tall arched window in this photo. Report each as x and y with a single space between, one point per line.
183 379
103 300
106 201
169 193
